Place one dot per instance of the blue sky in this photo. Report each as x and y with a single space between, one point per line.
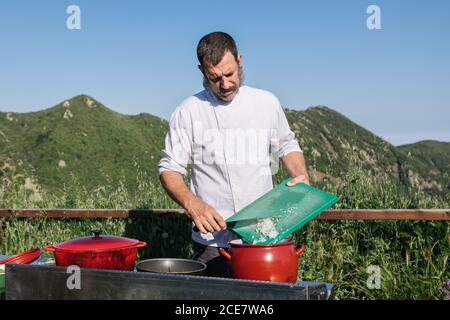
139 56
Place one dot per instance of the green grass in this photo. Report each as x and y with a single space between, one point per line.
412 255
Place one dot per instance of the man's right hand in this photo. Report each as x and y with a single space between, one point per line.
205 217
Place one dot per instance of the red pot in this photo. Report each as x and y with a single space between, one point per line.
267 262
97 252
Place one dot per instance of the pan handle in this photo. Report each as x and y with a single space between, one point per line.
225 254
49 248
299 250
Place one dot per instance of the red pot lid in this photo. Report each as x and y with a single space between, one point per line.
96 242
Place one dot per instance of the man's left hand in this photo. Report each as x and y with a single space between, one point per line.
298 179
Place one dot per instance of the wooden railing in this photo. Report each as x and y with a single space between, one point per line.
334 214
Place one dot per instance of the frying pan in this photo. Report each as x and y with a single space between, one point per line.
172 266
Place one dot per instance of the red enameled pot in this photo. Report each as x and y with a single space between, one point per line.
267 262
97 252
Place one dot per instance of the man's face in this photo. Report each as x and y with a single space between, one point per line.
223 79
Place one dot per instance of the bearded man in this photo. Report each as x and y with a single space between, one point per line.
229 132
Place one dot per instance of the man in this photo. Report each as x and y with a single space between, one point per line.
227 132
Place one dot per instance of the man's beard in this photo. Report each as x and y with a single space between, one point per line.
241 83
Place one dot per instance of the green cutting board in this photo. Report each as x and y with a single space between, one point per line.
279 212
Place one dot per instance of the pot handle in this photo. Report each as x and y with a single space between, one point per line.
225 254
299 250
96 232
49 248
141 244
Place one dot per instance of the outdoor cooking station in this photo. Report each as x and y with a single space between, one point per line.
35 281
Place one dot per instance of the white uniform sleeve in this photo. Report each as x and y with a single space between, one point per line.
283 139
177 152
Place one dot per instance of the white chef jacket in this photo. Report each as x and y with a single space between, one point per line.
230 146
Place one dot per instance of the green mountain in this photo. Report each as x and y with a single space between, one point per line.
427 164
82 140
332 142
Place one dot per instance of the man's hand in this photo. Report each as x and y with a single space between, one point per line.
205 217
296 167
301 178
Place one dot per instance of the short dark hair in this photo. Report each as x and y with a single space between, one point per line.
212 47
